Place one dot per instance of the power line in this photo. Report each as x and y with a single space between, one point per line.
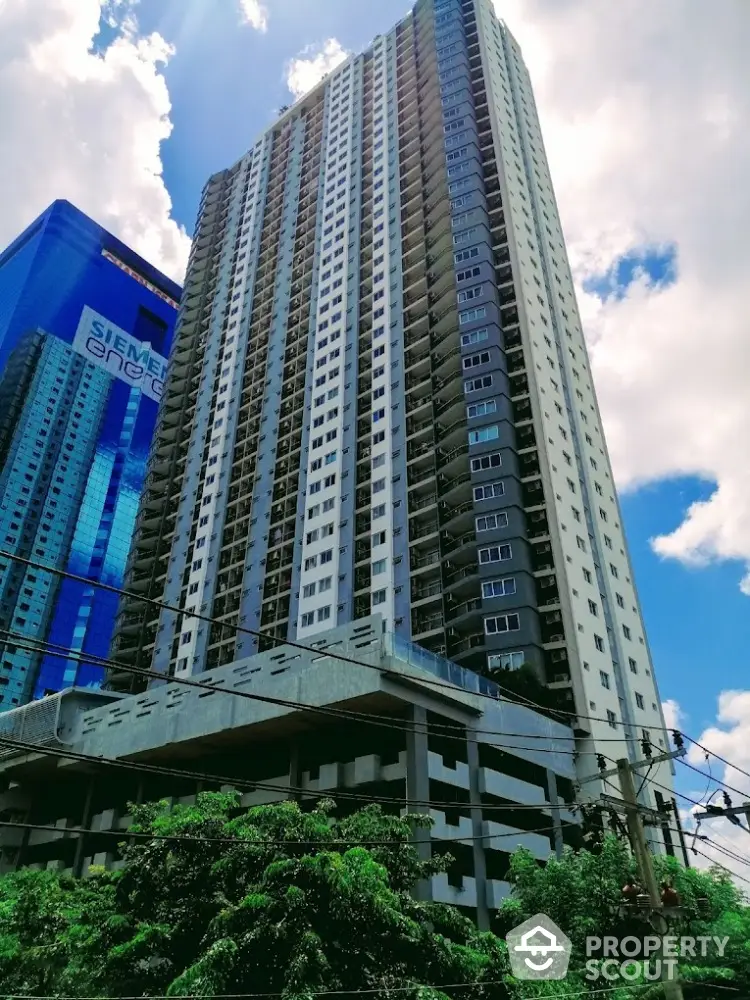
251 785
718 865
320 651
718 781
719 757
54 650
327 993
733 855
322 844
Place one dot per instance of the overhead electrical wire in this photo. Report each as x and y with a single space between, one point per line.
445 731
341 841
320 651
353 992
249 784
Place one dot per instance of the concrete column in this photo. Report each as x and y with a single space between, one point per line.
556 823
295 771
475 798
418 788
85 822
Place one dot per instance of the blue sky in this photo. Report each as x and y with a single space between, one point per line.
225 82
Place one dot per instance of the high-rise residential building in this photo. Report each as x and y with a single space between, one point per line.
85 329
380 399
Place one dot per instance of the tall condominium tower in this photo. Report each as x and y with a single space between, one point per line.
85 326
380 399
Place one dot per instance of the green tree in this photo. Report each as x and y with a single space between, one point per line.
280 900
581 892
293 904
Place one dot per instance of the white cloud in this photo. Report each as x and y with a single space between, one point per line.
255 14
86 126
646 133
729 737
673 715
312 64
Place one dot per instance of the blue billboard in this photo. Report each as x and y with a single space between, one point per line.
85 332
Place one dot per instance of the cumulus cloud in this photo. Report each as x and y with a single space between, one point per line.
645 131
255 14
673 715
727 738
312 64
86 125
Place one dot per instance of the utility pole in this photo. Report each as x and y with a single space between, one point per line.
634 815
642 854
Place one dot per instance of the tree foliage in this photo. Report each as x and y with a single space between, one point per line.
277 900
293 904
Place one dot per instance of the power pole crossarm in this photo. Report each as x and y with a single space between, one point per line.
601 775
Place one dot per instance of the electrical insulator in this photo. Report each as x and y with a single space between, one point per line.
669 896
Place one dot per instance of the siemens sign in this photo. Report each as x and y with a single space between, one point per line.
123 356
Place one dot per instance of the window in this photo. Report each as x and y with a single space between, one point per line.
620 600
378 538
613 571
633 665
312 536
326 557
475 360
475 337
587 576
506 661
499 588
309 590
482 434
378 597
604 677
611 718
626 632
324 613
324 584
475 384
308 618
470 293
599 643
481 409
378 567
580 543
485 462
329 504
311 562
489 491
502 623
378 486
495 553
593 608
469 315
639 700
492 521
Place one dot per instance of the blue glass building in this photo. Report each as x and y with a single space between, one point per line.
85 329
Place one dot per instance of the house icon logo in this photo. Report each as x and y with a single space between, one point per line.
538 949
